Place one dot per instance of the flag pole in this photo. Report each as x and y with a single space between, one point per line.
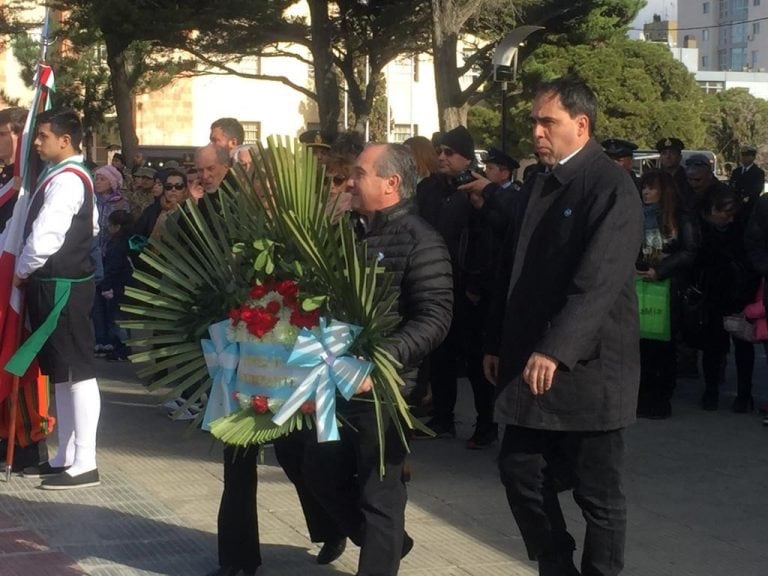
14 398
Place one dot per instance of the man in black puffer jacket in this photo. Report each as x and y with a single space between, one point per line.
371 510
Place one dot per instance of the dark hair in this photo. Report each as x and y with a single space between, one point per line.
120 218
16 117
665 184
723 199
173 172
575 96
119 156
231 127
348 143
63 122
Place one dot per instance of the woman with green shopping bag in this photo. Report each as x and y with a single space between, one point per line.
671 239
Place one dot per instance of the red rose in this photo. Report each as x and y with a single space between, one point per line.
305 319
286 288
273 307
261 322
260 404
308 407
291 301
258 291
247 314
234 315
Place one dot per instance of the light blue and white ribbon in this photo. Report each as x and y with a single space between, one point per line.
330 371
221 356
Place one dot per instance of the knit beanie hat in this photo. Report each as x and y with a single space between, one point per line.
460 140
112 174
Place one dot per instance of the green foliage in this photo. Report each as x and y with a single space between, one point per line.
734 119
643 93
484 123
203 266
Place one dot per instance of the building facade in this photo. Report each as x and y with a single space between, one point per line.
732 35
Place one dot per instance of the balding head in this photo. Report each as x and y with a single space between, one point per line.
212 165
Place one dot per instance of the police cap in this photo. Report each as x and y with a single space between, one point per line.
498 157
670 144
618 148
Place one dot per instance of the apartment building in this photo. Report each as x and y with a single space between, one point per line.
731 35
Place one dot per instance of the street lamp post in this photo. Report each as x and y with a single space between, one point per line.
505 68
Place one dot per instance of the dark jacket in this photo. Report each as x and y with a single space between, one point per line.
722 269
680 253
571 296
418 259
447 210
748 185
117 264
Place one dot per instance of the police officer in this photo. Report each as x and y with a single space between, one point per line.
621 152
670 160
748 179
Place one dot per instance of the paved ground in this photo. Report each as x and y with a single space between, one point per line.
696 485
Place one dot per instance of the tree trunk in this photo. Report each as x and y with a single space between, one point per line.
450 107
326 80
121 89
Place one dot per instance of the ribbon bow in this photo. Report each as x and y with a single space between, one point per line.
221 356
331 370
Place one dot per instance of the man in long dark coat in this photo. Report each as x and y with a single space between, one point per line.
563 342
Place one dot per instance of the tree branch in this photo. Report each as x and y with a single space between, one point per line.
272 78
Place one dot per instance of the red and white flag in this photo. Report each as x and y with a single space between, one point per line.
26 170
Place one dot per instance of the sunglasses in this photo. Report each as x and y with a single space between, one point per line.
448 152
174 186
338 180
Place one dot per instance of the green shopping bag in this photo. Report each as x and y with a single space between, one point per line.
653 304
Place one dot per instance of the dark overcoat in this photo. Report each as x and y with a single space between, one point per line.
568 291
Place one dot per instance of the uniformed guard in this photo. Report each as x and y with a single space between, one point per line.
622 152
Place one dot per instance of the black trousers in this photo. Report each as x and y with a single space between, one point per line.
238 521
526 462
290 452
369 509
464 343
658 376
713 363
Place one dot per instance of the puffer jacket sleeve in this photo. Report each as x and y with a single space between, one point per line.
427 299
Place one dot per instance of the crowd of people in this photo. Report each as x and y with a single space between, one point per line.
527 286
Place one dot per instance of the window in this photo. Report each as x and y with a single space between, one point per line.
252 132
705 35
755 28
712 87
705 7
401 132
756 3
705 62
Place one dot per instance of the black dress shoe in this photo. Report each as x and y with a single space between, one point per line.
225 571
407 546
44 470
331 551
64 481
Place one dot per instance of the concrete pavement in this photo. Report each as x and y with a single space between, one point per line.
696 486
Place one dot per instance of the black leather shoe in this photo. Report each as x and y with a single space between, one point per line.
64 481
743 404
331 551
225 571
44 470
407 546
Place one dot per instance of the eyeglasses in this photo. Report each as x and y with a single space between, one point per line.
174 186
447 152
338 179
